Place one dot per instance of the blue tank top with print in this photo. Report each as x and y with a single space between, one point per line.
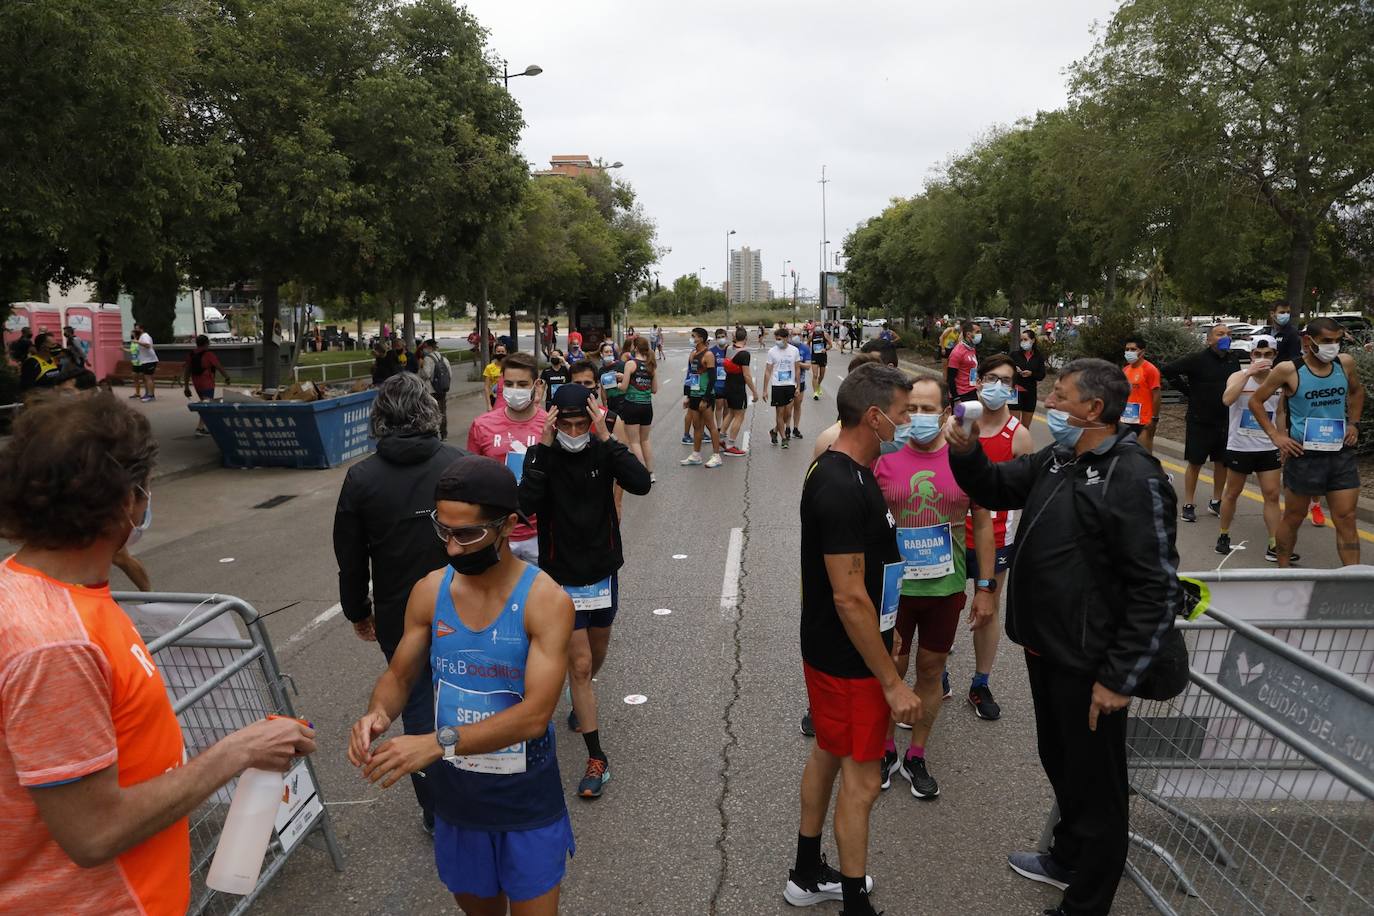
476 675
1316 398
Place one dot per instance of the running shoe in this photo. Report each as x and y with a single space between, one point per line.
819 392
980 698
824 884
796 434
686 440
691 460
706 435
773 436
1272 555
1189 512
787 432
807 727
135 397
1214 507
890 765
1040 867
817 395
905 725
1223 544
1318 517
923 785
598 774
145 399
734 451
653 478
944 685
714 461
783 444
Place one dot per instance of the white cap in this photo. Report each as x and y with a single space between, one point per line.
1263 340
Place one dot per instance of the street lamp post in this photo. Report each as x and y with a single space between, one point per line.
506 77
725 287
824 232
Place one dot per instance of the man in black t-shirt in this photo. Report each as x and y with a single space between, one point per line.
739 390
555 376
849 607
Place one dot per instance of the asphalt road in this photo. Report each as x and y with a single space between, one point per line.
701 814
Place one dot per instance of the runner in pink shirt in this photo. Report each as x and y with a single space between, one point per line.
508 429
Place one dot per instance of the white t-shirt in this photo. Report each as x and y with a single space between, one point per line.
1244 434
783 361
146 353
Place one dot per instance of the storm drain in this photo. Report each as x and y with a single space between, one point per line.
274 502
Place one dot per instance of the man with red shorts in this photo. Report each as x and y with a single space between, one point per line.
931 512
850 582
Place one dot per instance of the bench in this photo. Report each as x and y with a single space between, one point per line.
166 372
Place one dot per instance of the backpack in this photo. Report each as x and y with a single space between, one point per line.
443 377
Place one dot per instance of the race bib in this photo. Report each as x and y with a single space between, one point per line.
594 597
785 376
892 595
1132 413
818 346
927 553
1249 426
1323 434
457 706
720 372
516 462
697 384
553 389
608 379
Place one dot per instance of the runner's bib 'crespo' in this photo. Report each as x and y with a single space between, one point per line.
478 674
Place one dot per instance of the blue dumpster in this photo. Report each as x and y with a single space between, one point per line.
291 434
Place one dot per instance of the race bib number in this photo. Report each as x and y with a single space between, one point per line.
553 389
927 553
785 375
720 372
457 706
818 347
696 384
594 597
892 594
515 461
1132 413
1249 426
608 379
1323 434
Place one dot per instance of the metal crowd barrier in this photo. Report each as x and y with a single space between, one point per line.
221 674
1252 790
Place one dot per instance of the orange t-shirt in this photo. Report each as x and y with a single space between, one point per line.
80 693
1144 379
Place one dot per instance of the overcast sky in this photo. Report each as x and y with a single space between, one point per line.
724 112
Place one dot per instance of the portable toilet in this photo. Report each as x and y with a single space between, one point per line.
100 325
33 315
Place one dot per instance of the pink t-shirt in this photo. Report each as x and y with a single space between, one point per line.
495 435
964 361
921 492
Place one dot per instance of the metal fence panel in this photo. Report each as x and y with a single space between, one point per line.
221 674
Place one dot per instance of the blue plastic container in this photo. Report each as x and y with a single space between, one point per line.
291 434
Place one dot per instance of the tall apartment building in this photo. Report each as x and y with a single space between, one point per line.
746 276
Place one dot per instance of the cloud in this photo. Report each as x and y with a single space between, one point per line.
723 113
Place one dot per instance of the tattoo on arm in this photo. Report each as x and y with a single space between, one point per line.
856 565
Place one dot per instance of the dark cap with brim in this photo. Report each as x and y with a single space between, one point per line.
571 400
481 481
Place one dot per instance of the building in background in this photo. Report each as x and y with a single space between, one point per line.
569 166
746 282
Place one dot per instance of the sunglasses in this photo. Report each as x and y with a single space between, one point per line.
464 535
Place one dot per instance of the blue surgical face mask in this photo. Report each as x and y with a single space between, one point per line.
994 395
1283 318
977 339
924 427
1223 344
136 534
1064 433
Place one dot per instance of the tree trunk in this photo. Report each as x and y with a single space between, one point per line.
1109 287
1299 256
271 308
483 351
538 331
408 315
514 330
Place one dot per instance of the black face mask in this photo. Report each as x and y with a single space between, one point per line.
477 562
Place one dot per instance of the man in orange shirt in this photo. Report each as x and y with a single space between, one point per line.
1142 409
94 785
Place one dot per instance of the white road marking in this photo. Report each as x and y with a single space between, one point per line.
744 442
729 585
323 617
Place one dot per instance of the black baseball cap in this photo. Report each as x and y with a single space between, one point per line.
571 400
481 481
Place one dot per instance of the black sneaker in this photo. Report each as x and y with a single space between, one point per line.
808 890
1214 507
807 729
773 436
787 432
783 443
945 691
890 764
1224 544
1189 513
923 785
980 698
1272 555
1040 867
796 433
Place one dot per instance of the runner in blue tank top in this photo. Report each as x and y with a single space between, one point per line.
495 631
1324 399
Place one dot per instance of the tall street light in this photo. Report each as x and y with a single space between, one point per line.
506 77
726 288
824 232
783 288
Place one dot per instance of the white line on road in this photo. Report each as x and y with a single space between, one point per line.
323 617
744 442
729 585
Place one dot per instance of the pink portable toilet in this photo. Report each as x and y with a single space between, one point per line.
100 325
16 321
45 317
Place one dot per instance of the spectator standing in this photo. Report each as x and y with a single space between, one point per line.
1202 378
75 351
95 824
398 359
1285 335
147 363
199 372
19 347
491 375
1029 364
1092 621
1142 408
378 363
39 369
963 362
382 533
436 372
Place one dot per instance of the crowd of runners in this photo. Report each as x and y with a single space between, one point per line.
490 579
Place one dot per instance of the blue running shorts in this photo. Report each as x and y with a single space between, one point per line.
522 864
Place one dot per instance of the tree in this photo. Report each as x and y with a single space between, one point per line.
1273 94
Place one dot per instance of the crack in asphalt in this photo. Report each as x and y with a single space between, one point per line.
727 717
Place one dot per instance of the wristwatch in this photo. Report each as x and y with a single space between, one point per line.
448 740
985 585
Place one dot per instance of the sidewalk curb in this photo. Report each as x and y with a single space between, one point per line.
1364 509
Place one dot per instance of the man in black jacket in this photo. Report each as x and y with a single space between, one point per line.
568 482
1092 594
382 524
1202 378
398 359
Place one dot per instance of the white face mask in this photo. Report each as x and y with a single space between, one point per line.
1132 355
782 342
1328 352
517 398
136 534
573 443
720 342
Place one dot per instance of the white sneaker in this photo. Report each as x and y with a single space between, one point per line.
691 460
714 460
